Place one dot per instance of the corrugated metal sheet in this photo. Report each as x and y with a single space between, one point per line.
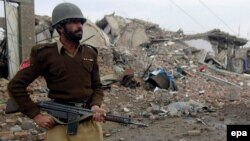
11 13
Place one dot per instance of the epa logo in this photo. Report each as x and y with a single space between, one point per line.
239 133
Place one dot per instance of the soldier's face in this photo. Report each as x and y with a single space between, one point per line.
73 31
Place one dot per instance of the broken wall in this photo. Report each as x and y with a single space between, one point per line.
201 44
223 45
126 36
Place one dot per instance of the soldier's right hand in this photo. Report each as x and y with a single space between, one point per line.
44 121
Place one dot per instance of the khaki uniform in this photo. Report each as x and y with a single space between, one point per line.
87 131
70 78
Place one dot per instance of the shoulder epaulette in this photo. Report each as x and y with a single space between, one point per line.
92 47
39 47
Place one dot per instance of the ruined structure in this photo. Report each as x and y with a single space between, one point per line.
223 46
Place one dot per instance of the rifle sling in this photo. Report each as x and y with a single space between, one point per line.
77 120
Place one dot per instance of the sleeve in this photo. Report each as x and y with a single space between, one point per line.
17 87
97 96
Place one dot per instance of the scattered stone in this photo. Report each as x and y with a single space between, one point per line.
22 134
16 128
126 110
26 125
41 136
10 121
6 136
3 125
221 118
107 134
121 139
194 132
201 92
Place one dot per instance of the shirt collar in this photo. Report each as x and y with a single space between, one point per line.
60 46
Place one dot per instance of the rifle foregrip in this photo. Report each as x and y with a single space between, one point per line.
118 119
124 120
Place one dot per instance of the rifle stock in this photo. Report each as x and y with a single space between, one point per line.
11 107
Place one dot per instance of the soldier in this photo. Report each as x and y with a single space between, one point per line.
72 76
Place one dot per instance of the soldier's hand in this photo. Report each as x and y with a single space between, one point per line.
44 121
98 113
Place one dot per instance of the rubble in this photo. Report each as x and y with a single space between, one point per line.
130 51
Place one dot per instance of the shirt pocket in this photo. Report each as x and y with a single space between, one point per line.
88 64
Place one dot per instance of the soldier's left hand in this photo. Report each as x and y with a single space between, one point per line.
98 113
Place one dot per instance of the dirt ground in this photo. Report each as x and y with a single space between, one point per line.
210 127
201 126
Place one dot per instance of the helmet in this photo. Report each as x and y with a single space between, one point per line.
65 11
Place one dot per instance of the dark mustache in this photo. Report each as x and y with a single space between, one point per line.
78 30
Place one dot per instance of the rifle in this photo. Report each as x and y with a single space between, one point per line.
72 114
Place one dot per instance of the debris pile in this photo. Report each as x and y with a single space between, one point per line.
148 74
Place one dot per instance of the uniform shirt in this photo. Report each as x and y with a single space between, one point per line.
70 78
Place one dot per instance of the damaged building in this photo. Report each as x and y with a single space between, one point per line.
222 49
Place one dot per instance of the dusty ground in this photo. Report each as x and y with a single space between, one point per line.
184 128
179 128
205 126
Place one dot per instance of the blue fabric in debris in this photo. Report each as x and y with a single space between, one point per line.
169 76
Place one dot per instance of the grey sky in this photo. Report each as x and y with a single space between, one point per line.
233 14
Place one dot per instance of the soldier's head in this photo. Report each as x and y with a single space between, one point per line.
68 19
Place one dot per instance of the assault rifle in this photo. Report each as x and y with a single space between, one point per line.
71 114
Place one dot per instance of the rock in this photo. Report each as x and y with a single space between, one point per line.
106 134
194 132
10 121
201 92
16 128
41 136
33 132
19 121
6 136
3 82
3 125
126 110
248 83
221 119
209 128
26 125
145 114
221 104
121 139
22 134
152 117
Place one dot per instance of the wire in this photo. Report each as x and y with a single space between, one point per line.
209 9
203 27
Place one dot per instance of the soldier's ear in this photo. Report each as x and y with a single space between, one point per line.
59 29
